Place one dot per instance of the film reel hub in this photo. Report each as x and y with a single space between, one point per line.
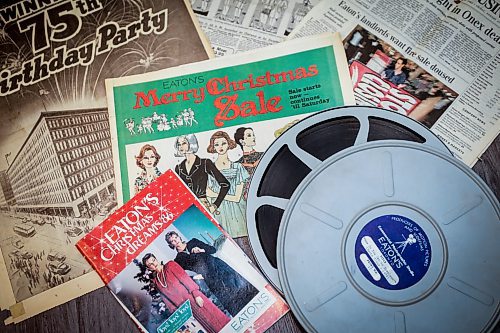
397 247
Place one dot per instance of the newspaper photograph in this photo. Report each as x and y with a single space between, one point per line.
385 78
56 168
234 26
212 121
443 55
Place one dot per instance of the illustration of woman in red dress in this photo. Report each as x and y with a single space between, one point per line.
176 287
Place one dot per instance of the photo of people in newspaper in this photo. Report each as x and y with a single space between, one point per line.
383 77
201 7
233 10
191 277
300 10
240 25
268 15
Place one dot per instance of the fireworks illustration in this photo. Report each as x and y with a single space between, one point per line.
79 85
13 60
4 36
151 56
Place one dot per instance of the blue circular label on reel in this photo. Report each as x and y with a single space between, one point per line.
393 252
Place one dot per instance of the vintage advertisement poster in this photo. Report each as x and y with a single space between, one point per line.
56 169
174 269
212 121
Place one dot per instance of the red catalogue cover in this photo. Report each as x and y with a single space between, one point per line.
175 269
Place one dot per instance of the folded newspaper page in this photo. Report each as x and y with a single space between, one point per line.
211 121
240 25
56 170
436 61
174 269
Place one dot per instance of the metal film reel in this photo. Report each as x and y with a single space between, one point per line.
392 237
302 148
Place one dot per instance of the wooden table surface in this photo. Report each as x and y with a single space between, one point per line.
98 311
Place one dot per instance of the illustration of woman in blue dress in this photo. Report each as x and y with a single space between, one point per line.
232 209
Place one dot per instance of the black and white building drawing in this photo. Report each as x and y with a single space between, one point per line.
57 187
65 166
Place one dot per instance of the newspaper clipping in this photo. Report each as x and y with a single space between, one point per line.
240 25
436 61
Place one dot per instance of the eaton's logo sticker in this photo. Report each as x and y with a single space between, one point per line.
393 252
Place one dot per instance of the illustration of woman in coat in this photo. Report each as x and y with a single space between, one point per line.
232 209
176 287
